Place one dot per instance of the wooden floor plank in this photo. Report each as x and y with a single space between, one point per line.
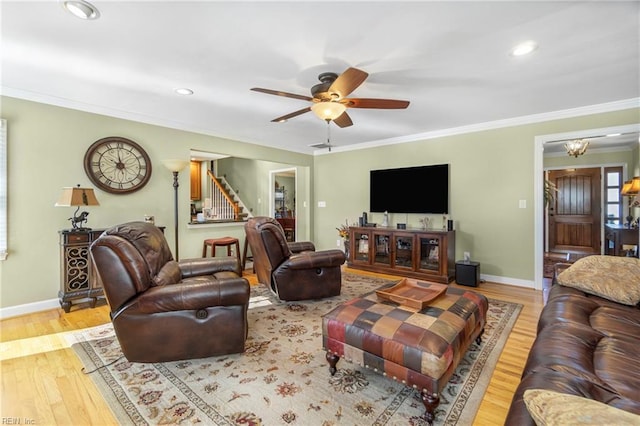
42 378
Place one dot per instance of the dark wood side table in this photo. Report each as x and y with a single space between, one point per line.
615 236
78 279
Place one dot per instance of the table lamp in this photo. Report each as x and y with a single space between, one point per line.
77 196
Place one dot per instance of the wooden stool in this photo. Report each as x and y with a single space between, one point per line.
222 242
245 256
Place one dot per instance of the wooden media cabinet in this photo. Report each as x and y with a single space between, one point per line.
417 253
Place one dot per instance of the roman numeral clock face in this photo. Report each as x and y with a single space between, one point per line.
117 165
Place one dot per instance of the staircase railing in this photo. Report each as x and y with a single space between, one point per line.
223 206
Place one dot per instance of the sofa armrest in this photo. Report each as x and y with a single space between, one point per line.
316 259
557 269
188 296
300 246
208 266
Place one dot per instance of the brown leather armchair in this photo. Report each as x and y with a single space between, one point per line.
163 310
293 271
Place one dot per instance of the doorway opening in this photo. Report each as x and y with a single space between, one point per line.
283 207
545 143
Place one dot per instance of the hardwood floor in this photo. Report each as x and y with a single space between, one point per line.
42 381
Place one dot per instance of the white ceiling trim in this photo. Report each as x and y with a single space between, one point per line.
491 125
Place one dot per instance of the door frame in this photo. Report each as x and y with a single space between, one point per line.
538 184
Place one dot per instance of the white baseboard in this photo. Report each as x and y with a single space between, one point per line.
508 281
28 308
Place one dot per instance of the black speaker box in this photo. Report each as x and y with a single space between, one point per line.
468 273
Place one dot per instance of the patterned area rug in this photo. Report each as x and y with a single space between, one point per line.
283 377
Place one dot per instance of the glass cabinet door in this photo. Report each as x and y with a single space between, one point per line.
382 249
360 247
403 245
430 253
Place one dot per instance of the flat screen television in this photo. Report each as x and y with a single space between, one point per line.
421 189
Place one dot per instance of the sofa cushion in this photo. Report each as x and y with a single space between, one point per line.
612 277
169 274
553 408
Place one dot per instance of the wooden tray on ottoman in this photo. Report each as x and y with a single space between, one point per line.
412 293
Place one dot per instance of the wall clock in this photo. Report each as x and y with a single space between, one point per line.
117 165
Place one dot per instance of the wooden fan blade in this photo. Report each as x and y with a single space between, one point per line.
343 120
291 115
348 81
375 103
279 93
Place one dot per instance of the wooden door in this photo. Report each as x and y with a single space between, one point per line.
574 218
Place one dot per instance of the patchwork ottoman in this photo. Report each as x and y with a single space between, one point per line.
419 347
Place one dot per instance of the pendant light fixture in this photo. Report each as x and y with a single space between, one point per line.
576 147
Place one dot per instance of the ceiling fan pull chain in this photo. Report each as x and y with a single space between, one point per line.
329 134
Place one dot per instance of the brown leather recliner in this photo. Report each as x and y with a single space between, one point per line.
163 310
293 271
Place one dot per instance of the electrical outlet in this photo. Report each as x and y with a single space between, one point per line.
338 243
467 256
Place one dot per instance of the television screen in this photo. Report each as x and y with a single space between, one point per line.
422 189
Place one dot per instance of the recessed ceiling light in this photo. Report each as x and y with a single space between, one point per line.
183 91
81 9
524 48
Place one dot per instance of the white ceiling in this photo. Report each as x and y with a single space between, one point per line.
450 59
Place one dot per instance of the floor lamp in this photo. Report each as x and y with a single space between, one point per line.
175 166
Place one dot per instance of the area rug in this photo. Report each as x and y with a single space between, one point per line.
283 377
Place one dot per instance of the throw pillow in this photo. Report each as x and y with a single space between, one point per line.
169 274
549 408
612 277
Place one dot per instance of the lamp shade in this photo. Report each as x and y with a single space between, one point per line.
328 110
635 186
175 165
77 196
631 187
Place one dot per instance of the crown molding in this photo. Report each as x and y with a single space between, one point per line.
492 125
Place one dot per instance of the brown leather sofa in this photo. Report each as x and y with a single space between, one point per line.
163 310
586 346
293 271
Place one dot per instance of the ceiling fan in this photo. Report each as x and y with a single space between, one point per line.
329 97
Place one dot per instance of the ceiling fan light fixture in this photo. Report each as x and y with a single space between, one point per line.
328 110
576 147
81 9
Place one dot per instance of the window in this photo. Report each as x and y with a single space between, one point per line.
3 189
613 198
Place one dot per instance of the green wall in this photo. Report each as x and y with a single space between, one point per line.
490 172
46 146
